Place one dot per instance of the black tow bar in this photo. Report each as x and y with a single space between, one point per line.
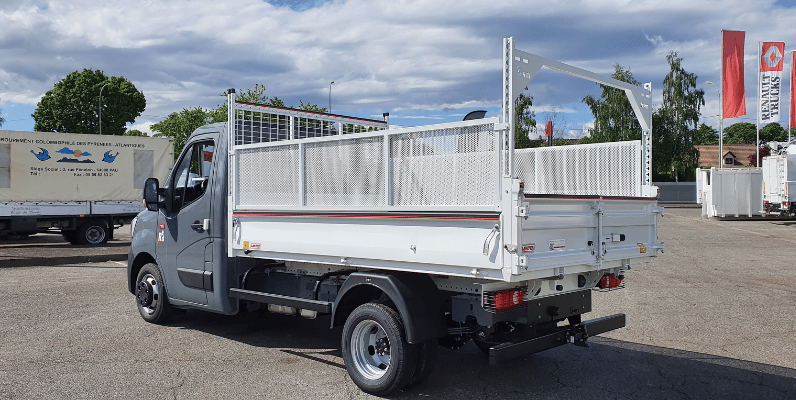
576 334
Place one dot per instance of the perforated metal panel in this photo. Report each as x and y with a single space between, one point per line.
269 176
454 166
604 169
348 172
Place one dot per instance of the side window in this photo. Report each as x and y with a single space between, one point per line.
192 175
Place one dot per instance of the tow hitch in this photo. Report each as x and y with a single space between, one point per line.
577 334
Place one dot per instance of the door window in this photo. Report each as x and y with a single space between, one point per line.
192 175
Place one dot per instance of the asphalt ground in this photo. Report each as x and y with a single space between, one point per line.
712 318
50 249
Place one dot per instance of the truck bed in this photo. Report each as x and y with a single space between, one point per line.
433 199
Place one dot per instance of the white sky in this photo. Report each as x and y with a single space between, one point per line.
422 61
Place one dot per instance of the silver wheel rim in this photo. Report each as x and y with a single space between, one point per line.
370 350
148 278
95 235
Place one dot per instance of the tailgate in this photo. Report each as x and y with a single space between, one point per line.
592 232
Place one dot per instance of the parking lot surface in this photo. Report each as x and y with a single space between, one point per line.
711 318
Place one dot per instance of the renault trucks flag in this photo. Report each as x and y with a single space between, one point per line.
772 56
732 87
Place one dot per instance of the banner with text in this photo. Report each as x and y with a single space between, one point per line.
63 167
772 57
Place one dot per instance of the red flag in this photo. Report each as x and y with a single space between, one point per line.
792 96
732 74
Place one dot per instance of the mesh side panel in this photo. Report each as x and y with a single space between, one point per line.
454 166
345 172
269 176
604 169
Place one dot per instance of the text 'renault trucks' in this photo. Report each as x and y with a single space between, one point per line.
408 238
82 185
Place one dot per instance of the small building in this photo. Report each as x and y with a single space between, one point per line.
735 155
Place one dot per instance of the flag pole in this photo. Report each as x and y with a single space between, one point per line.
759 106
792 74
721 105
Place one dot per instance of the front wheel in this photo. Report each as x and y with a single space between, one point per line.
375 351
150 295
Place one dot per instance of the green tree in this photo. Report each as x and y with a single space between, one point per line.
614 118
181 125
676 122
706 135
73 104
524 121
740 133
134 132
773 132
255 96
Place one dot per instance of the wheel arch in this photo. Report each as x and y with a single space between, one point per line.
134 267
416 298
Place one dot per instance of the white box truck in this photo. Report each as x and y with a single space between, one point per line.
408 238
779 184
82 185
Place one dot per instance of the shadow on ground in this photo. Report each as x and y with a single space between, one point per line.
606 369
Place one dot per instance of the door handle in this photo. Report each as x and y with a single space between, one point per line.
198 226
202 226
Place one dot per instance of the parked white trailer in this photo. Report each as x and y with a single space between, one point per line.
408 238
82 185
779 184
730 192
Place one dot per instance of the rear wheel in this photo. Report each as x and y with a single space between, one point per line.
375 351
150 294
93 233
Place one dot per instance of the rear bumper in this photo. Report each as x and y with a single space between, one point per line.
576 334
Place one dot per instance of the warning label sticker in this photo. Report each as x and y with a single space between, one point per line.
528 248
641 248
558 245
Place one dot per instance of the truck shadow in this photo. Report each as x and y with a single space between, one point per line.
607 369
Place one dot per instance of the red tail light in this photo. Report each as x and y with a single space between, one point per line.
609 281
508 299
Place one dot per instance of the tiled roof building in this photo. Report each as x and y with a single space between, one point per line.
735 155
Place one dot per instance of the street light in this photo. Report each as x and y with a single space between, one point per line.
330 96
100 106
721 125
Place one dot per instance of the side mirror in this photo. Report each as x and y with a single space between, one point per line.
151 195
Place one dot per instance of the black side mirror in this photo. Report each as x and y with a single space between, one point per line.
151 194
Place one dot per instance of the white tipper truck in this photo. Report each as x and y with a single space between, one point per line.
779 183
408 238
82 185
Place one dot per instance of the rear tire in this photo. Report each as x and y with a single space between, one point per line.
150 294
93 233
376 355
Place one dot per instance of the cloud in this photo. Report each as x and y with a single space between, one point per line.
383 55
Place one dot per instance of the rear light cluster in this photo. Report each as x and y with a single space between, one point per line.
504 300
610 281
509 299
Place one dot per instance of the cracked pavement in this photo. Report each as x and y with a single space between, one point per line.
711 318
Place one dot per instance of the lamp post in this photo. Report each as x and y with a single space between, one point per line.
100 106
721 126
330 96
